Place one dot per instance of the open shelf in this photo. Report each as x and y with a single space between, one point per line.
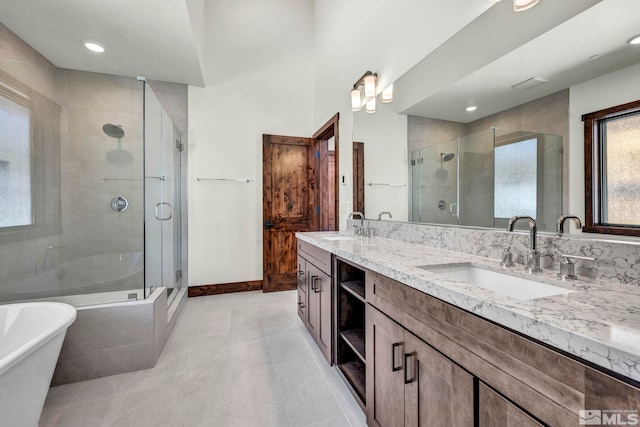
355 340
355 372
355 288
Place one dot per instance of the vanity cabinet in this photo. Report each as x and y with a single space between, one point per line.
315 295
516 380
410 383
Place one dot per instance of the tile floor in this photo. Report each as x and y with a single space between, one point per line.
241 359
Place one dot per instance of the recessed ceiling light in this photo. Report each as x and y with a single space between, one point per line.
522 5
94 47
471 108
635 40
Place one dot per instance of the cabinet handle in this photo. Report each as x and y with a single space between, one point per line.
300 304
300 273
395 345
313 283
318 283
406 365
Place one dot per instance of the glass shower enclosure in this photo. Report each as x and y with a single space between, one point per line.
94 172
162 198
484 178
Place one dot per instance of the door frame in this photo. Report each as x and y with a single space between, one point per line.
332 129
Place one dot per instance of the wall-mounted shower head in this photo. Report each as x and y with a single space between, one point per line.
114 131
447 156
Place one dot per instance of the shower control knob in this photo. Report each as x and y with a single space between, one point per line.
119 204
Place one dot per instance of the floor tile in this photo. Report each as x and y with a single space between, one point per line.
240 359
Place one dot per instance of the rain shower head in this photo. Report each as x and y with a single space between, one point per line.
114 131
447 156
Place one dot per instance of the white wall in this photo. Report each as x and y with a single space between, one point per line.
388 38
385 160
322 47
603 92
226 121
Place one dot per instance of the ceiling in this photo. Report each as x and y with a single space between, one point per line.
560 55
139 36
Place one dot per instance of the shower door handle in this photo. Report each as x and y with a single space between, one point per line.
162 218
453 209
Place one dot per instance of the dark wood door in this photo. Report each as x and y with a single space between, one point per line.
358 177
288 205
385 382
495 411
438 392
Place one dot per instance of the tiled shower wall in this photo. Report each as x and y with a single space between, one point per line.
96 168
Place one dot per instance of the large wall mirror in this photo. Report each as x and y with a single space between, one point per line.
490 124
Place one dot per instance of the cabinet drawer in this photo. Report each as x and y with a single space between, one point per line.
316 256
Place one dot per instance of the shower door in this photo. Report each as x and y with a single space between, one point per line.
163 197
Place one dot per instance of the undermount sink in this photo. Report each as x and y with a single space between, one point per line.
505 284
338 238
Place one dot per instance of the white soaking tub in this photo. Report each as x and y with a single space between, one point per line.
31 336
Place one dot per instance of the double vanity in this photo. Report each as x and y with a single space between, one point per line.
426 336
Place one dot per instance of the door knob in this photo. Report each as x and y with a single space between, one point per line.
268 224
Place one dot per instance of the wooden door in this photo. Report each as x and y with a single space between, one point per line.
288 205
385 382
438 393
326 177
496 411
358 177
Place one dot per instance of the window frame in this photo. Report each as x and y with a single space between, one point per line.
594 166
14 95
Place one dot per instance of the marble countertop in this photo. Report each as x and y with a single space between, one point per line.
598 322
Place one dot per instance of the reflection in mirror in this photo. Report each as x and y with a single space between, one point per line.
592 71
485 178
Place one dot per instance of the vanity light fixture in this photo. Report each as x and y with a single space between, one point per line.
387 94
94 46
371 105
471 108
356 100
635 40
522 5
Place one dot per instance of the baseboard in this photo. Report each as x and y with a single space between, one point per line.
224 288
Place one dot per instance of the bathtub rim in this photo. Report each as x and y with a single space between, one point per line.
67 317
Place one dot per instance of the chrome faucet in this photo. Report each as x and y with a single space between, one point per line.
360 230
351 215
562 219
533 255
48 262
384 213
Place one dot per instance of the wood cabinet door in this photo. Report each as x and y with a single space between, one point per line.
496 411
438 393
313 300
323 292
385 382
302 289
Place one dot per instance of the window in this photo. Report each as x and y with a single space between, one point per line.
15 161
612 181
516 179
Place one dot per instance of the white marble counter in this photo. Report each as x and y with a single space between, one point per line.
598 322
